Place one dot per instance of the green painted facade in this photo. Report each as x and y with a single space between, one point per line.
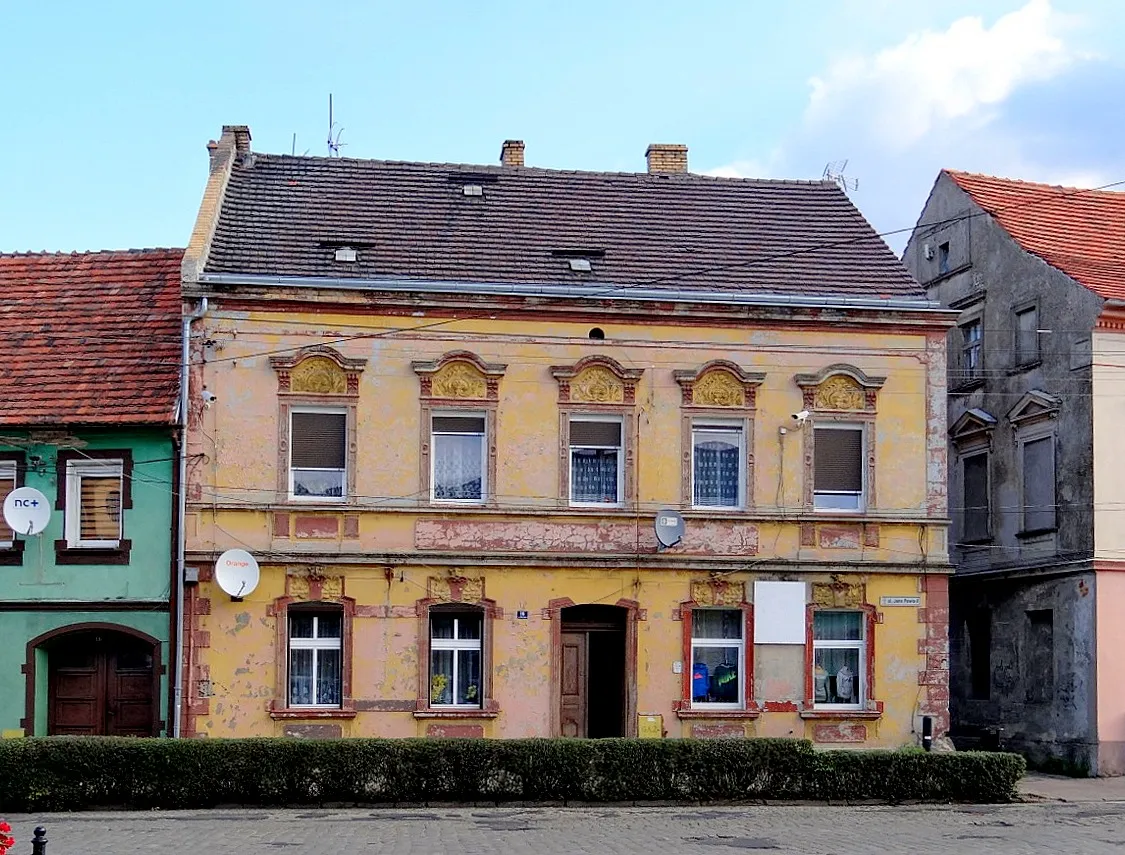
40 595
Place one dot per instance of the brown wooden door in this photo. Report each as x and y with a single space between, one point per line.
76 689
129 689
100 684
574 684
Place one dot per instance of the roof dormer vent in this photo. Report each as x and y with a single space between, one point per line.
346 253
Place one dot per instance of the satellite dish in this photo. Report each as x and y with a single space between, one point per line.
236 572
669 528
26 511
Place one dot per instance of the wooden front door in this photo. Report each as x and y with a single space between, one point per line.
574 684
100 684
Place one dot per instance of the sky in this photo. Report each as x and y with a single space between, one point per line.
108 107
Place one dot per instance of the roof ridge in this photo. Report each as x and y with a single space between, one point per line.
31 253
1020 182
530 170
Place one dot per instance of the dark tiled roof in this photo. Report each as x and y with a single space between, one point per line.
1080 232
281 215
90 338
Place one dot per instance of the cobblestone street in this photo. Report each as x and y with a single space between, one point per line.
1086 827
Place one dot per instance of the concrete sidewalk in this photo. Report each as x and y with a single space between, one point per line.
1055 788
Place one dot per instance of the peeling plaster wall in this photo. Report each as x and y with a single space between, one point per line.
387 542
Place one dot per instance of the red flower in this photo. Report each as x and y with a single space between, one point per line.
5 828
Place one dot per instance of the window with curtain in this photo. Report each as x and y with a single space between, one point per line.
718 658
1039 484
839 662
93 503
595 461
975 510
458 457
838 467
717 470
455 659
315 655
7 484
318 454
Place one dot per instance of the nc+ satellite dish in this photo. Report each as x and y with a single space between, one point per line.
237 573
669 528
26 511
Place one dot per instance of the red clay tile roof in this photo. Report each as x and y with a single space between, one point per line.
91 338
1080 232
282 215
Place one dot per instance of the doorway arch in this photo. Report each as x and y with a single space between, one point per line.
103 679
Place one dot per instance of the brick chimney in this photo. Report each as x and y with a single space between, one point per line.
511 153
665 157
241 137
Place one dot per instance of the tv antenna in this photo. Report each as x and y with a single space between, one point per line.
293 151
334 143
834 171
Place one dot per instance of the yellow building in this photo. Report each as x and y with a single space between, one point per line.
447 408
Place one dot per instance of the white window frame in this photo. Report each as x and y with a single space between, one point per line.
860 645
571 447
483 435
315 644
717 426
343 497
76 470
8 472
456 644
861 497
740 643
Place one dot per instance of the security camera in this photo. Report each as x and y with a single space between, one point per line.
209 397
801 417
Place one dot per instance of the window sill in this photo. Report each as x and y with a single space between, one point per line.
453 713
966 386
866 715
696 712
1025 366
67 554
1035 532
12 554
311 713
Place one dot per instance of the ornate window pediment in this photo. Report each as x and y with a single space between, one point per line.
460 376
1035 406
597 380
973 426
318 370
719 383
840 388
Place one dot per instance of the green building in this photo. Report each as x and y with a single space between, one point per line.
89 395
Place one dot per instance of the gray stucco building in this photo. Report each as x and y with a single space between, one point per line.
1036 656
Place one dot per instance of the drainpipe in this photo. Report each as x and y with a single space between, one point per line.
181 538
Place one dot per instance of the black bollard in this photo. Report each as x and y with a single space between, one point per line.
39 842
927 732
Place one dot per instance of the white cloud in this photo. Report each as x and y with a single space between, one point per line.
932 79
740 169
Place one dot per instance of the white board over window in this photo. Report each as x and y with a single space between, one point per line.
779 612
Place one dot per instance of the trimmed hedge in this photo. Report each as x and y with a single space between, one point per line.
60 773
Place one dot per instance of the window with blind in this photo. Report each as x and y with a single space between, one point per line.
717 473
457 457
595 461
838 467
7 484
318 454
1039 484
93 503
975 505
